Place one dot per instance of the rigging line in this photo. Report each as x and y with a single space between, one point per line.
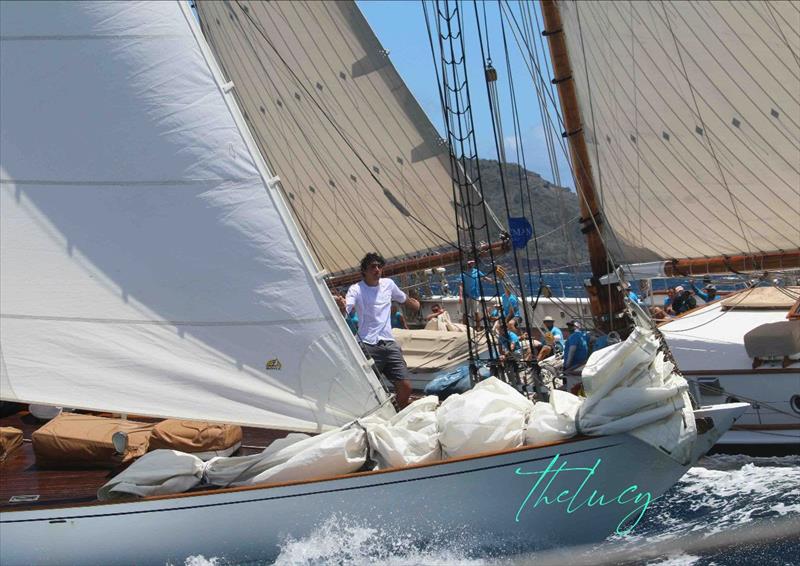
656 154
520 150
677 116
320 254
366 101
636 127
681 161
314 149
342 173
702 123
482 202
417 179
562 144
457 193
754 55
522 171
721 94
742 66
550 133
335 126
613 154
609 262
780 30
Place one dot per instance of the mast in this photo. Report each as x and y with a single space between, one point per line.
605 301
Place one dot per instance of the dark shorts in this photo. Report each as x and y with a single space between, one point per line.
388 358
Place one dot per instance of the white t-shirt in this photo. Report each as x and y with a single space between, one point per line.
374 308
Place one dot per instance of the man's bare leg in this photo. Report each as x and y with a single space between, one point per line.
402 390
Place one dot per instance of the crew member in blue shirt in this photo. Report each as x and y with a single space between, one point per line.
709 292
510 305
553 340
471 292
576 349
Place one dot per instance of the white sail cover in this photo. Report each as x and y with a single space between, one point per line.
691 112
147 265
361 165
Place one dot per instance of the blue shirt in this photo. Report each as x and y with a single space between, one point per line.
510 303
508 339
634 297
397 320
470 282
581 353
600 342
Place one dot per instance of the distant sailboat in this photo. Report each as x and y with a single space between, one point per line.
151 267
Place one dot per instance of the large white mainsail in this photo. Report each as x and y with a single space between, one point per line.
691 113
362 166
148 266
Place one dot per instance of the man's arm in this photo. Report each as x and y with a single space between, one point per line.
350 299
411 303
399 297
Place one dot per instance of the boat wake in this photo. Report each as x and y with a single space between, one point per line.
727 510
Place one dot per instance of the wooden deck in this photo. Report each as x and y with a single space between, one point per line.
20 477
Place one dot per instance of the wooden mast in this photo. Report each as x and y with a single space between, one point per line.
605 300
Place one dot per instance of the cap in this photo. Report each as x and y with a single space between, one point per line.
574 323
710 286
679 289
548 319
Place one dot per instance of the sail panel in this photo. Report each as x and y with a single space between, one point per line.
147 267
691 113
361 165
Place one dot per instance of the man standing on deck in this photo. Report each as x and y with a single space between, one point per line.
471 293
372 299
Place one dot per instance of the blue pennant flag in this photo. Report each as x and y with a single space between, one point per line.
521 231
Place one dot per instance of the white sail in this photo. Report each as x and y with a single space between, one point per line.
361 165
691 112
148 267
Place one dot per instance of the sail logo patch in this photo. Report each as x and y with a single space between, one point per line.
273 364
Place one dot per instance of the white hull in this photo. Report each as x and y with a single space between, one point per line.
480 494
708 344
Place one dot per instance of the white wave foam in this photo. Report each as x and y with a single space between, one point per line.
345 542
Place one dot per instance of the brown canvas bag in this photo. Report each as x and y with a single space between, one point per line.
85 441
10 440
194 436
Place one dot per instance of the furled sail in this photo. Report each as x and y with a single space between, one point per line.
361 165
148 266
691 113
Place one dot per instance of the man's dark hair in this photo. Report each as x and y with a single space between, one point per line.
372 257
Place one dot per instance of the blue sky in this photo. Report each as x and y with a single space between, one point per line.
400 26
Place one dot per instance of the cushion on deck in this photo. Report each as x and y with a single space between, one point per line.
773 340
10 440
84 441
194 436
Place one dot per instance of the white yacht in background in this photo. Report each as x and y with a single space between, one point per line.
746 347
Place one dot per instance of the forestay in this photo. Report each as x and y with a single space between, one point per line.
147 265
691 114
361 165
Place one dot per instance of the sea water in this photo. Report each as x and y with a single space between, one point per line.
728 510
